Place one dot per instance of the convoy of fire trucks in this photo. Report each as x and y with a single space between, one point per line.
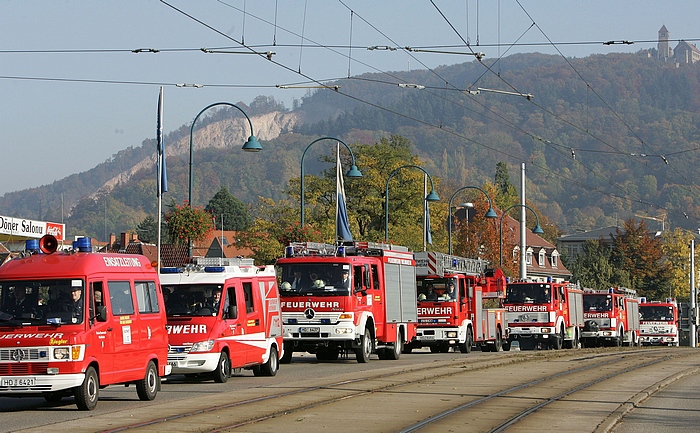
354 296
612 317
658 322
544 314
453 304
75 321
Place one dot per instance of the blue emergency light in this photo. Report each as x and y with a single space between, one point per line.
171 270
214 269
83 245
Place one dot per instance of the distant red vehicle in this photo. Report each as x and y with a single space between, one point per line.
611 317
658 322
544 314
74 322
458 315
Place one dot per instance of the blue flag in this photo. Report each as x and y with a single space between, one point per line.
163 186
342 224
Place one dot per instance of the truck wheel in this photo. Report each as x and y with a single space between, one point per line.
497 345
363 352
270 367
558 341
147 388
394 353
466 347
288 352
223 369
87 394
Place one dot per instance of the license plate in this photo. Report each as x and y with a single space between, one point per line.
428 337
17 381
309 330
172 363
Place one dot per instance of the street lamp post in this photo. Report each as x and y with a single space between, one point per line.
432 196
251 145
489 214
536 230
353 173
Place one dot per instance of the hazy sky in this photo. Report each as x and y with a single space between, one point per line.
72 92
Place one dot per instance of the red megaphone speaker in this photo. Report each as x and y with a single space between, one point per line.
48 244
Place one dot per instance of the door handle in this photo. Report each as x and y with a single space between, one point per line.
109 329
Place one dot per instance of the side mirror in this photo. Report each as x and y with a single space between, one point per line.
232 312
101 314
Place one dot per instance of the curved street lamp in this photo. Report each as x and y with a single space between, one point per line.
536 230
432 196
489 214
251 145
353 173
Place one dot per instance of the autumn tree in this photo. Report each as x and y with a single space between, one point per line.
594 269
228 211
676 256
639 253
505 193
187 223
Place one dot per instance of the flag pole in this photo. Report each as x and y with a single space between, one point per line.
161 156
425 212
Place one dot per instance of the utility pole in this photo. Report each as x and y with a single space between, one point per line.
693 307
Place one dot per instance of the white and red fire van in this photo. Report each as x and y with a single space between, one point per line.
74 322
223 315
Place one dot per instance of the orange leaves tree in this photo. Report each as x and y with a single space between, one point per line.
186 222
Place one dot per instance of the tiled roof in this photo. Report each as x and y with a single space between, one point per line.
537 243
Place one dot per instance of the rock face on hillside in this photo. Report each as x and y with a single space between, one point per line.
227 133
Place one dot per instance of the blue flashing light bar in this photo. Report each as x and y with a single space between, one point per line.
214 269
83 245
31 245
171 270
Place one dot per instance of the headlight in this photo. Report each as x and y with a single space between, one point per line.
452 334
546 330
61 353
344 330
202 346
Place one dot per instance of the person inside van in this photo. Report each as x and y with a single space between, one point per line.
76 307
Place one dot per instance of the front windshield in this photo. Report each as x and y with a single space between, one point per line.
193 299
37 302
593 303
438 289
315 279
535 293
656 312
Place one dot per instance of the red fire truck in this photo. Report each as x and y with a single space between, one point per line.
74 322
658 322
354 296
458 304
544 314
223 316
611 317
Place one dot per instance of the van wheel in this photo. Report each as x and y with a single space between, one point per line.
148 387
498 344
223 369
363 352
270 367
87 394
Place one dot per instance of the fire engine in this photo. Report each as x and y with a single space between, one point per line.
544 314
353 296
658 322
223 316
454 294
72 323
612 317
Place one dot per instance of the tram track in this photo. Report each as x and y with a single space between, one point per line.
509 392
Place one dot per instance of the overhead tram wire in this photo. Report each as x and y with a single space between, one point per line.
615 113
320 84
409 117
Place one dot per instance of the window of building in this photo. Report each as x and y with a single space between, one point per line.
541 258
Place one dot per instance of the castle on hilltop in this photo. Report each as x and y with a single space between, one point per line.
684 53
